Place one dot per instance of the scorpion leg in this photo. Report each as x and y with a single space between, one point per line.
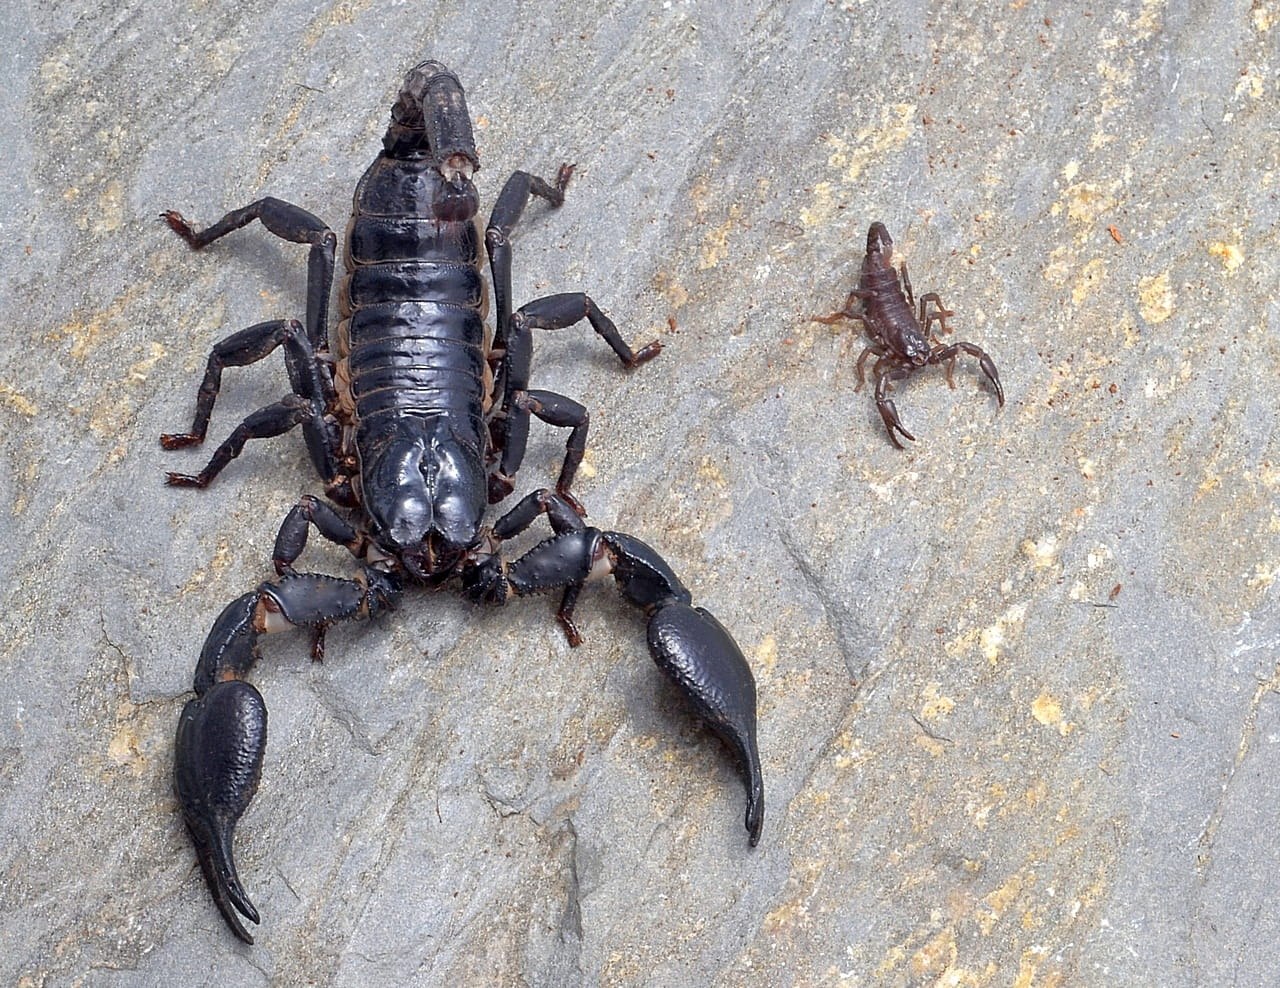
313 393
928 318
884 404
512 425
880 353
984 361
497 236
688 644
222 732
289 222
848 312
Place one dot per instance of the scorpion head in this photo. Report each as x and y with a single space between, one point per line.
425 495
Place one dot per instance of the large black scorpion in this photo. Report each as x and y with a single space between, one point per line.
900 339
415 421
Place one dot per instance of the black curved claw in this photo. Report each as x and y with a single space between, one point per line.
222 735
695 650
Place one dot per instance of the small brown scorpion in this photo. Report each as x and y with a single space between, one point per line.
900 338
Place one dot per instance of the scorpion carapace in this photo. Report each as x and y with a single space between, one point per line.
415 421
901 339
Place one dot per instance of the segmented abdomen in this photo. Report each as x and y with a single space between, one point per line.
412 341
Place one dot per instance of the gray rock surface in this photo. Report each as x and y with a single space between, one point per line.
1020 707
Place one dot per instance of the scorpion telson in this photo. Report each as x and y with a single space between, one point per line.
415 421
900 339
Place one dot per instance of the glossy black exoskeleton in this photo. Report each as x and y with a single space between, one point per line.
415 421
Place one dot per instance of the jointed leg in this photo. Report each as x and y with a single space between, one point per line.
927 318
848 312
313 393
497 237
511 426
289 222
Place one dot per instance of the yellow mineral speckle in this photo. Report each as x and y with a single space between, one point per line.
936 956
1048 711
999 901
766 654
935 706
1043 552
1252 84
892 130
1155 298
993 637
818 211
1088 468
715 244
1086 202
786 915
11 397
710 472
1263 576
587 468
1264 19
1230 255
1089 280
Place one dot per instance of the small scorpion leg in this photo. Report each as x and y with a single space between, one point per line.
497 237
888 410
564 413
984 361
906 283
848 312
927 318
688 644
288 222
292 537
222 732
880 353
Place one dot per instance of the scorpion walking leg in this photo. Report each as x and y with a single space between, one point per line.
688 644
512 427
928 318
222 733
313 393
985 362
289 222
497 237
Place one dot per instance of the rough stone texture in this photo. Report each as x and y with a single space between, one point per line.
1020 707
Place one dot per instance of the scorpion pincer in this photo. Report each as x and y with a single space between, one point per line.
901 339
415 421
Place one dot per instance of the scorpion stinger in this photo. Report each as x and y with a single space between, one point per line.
416 421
